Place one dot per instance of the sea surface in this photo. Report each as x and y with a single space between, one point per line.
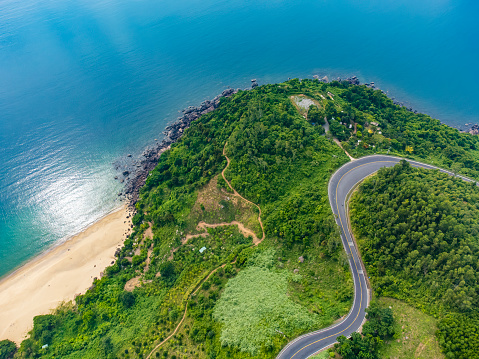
83 83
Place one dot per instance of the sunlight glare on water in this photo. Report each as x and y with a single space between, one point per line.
83 83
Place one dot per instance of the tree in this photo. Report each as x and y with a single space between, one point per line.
127 299
338 130
315 115
167 270
380 321
106 346
7 349
43 328
330 110
357 347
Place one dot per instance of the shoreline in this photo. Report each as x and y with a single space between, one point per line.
135 173
60 242
22 292
59 273
68 267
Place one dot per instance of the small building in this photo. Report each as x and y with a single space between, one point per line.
202 249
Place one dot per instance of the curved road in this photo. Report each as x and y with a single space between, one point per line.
340 184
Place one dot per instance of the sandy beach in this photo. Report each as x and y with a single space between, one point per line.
58 275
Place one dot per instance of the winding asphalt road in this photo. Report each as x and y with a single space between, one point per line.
340 184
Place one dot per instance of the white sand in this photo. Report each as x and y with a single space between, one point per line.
58 275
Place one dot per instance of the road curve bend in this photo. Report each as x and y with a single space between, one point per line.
340 184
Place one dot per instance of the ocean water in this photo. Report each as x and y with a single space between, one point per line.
85 82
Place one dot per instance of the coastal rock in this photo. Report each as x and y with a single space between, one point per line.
150 156
474 130
353 80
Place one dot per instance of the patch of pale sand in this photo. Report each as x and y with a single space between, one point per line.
58 275
148 232
304 103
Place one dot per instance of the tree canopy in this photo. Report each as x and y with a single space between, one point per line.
418 231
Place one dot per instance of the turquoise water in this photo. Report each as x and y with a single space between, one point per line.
85 82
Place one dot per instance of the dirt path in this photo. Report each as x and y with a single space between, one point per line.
339 144
135 282
202 225
240 196
244 231
186 309
169 337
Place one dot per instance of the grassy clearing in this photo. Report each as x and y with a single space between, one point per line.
255 307
258 275
215 205
325 286
415 333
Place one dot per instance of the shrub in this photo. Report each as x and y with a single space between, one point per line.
127 299
7 349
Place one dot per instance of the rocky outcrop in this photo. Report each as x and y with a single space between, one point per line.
474 130
353 80
135 172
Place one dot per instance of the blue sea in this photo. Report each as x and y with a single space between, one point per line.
83 83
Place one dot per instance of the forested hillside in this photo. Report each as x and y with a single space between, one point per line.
279 161
383 127
418 231
191 258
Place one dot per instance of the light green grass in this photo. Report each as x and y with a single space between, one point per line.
255 307
322 355
415 333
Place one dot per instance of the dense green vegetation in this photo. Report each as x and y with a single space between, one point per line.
379 326
7 349
418 232
282 161
385 127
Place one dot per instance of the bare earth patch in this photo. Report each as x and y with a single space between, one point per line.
216 206
135 282
302 103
